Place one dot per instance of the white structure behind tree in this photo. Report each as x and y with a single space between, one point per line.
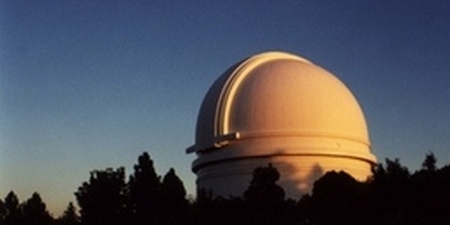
281 109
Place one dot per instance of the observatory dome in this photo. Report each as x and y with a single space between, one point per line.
281 109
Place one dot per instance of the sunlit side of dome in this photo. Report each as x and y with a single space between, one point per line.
282 109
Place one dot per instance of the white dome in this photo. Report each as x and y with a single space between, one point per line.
281 109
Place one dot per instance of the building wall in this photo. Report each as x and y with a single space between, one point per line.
300 161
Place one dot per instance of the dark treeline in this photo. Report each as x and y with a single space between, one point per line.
393 195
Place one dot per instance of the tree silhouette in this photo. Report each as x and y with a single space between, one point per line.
392 196
3 211
70 216
429 164
391 193
102 199
174 203
264 196
11 204
263 187
145 188
431 195
337 199
208 209
35 212
203 208
442 209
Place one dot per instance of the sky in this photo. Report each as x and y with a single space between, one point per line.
88 85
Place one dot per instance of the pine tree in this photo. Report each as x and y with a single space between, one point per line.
70 216
103 199
3 211
429 164
12 214
144 191
35 212
391 192
174 203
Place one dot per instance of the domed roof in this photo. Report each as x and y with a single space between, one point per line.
277 94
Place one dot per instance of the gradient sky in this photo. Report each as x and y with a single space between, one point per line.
88 85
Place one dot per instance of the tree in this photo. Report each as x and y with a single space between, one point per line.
103 199
431 195
337 198
3 211
429 164
264 197
144 191
263 188
70 216
174 203
394 173
35 212
442 208
12 211
391 193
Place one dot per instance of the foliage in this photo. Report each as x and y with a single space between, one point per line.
3 211
390 192
174 203
108 199
34 211
70 216
102 199
31 212
263 189
264 197
12 210
393 195
429 164
145 188
337 199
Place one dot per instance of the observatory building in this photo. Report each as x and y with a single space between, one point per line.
281 109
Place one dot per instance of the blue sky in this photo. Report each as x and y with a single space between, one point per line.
88 85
